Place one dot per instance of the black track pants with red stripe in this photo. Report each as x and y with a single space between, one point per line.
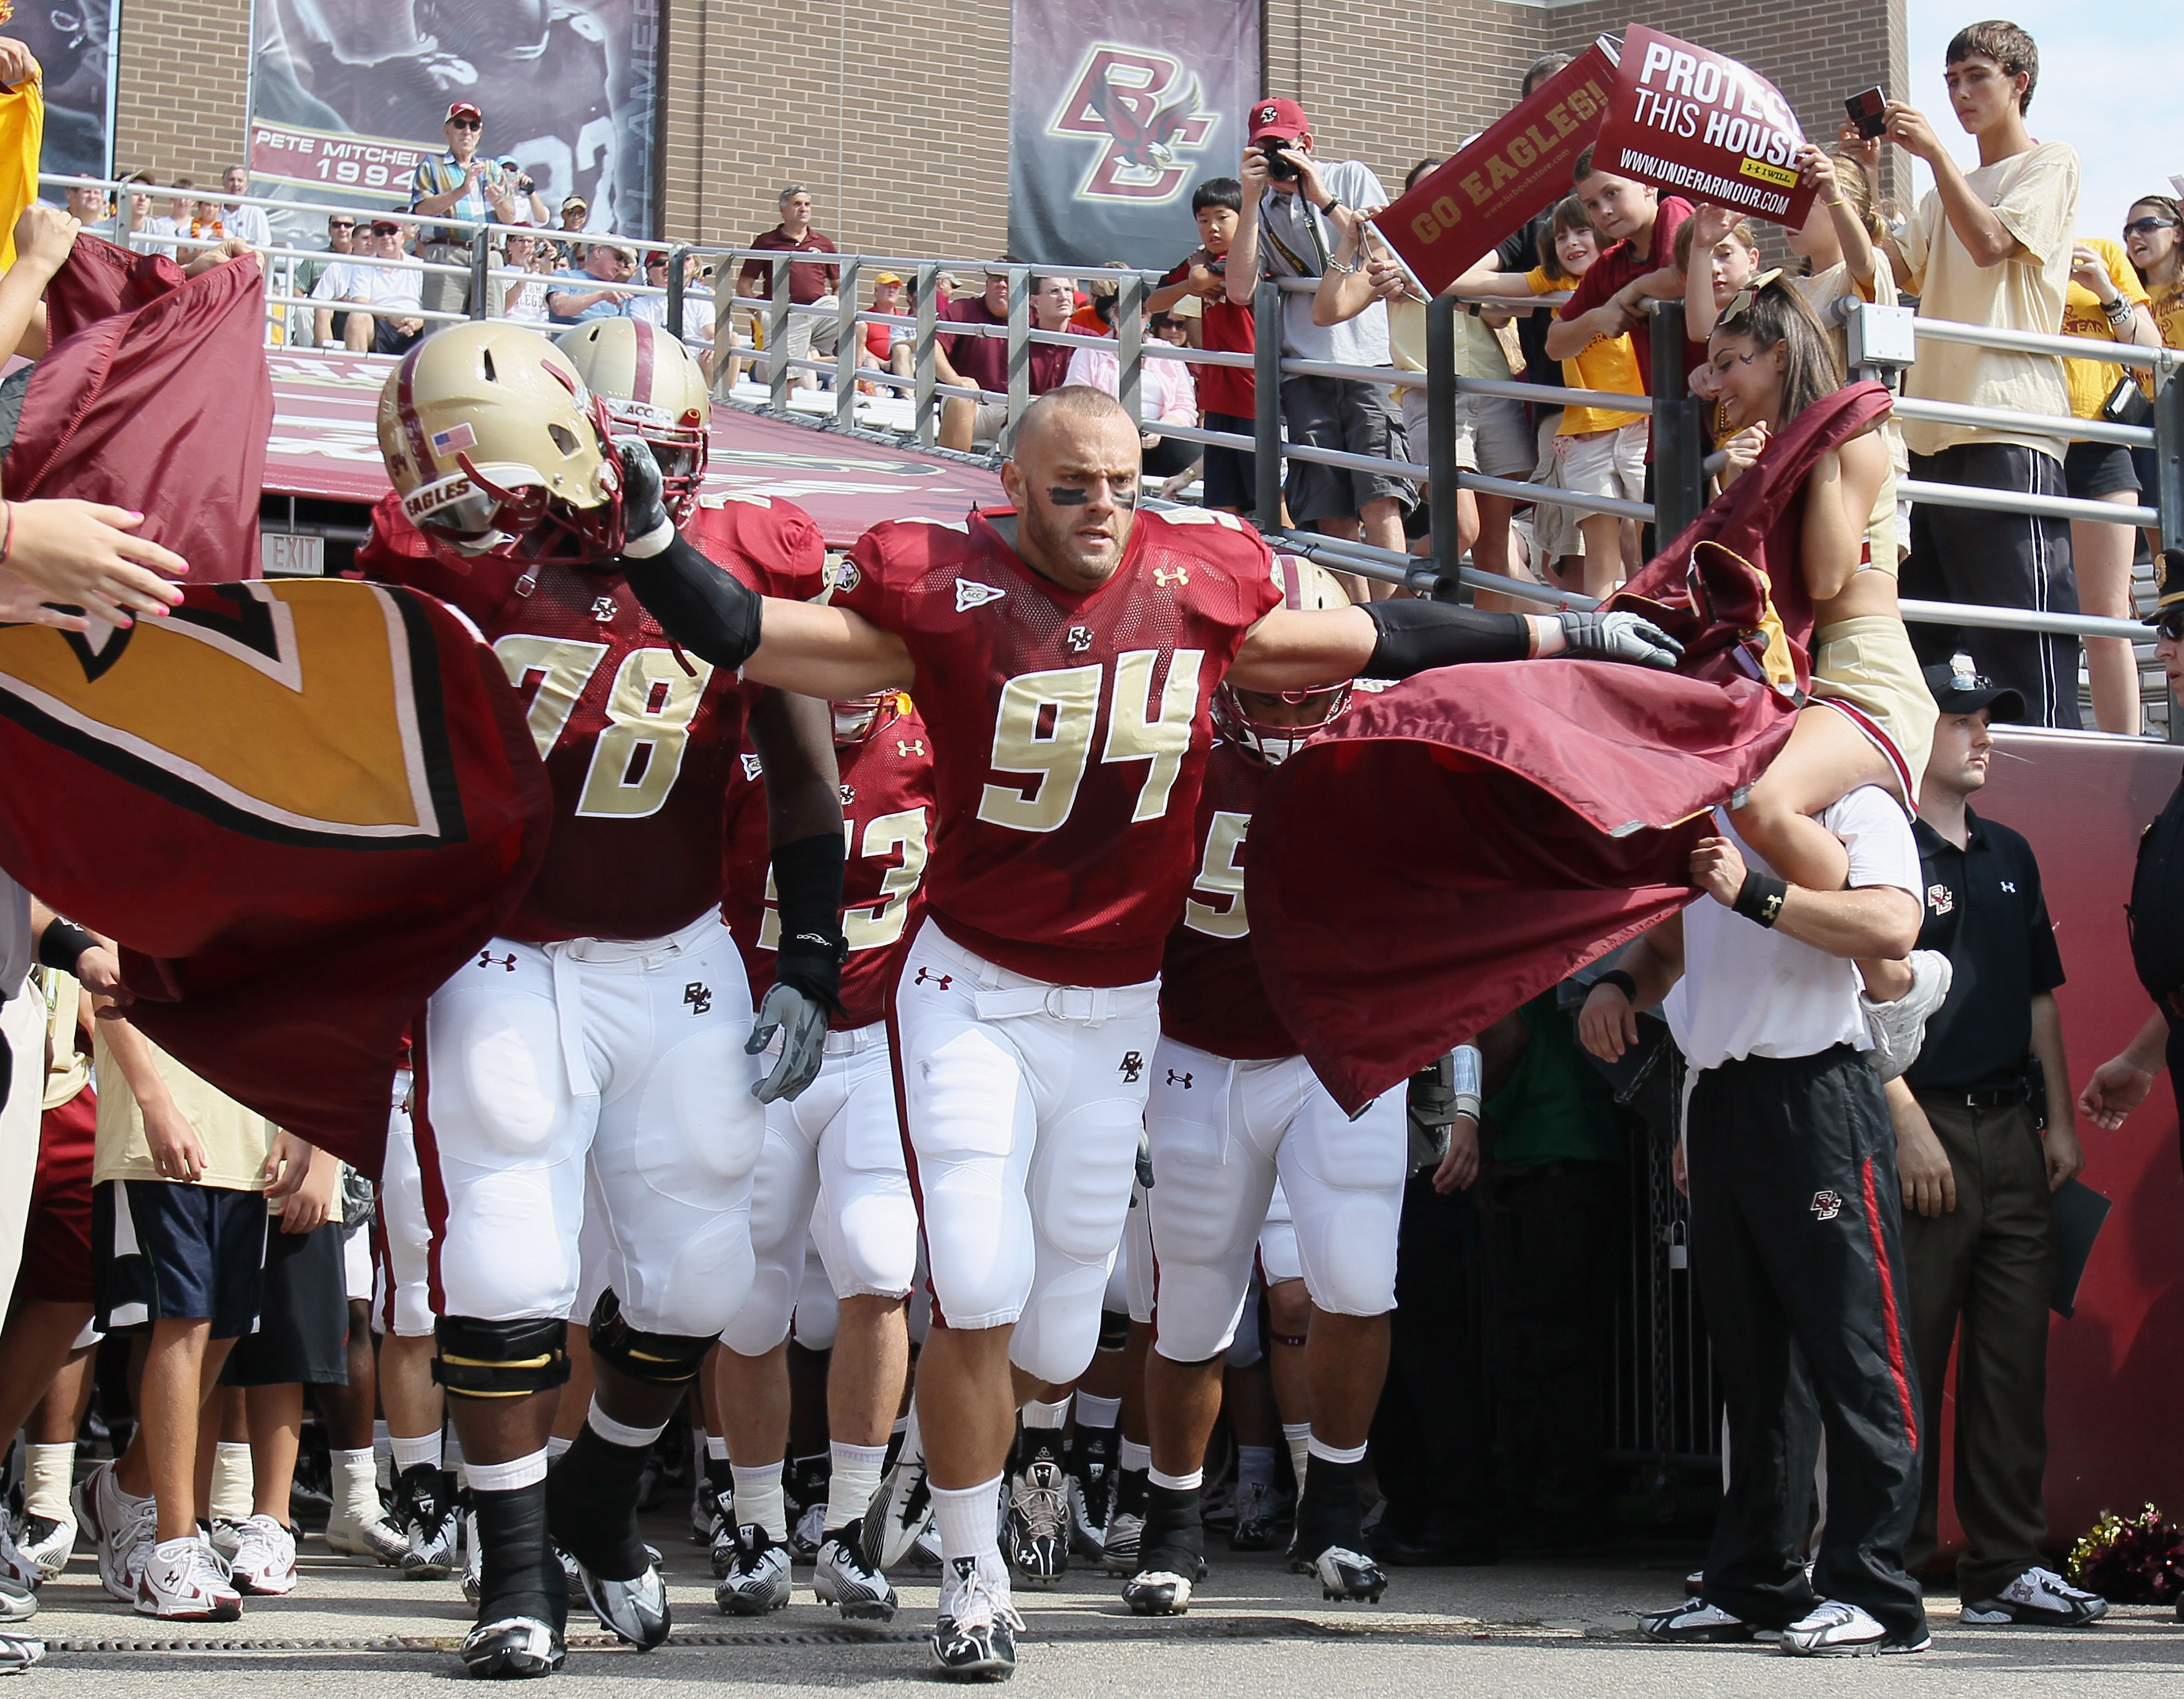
1796 1219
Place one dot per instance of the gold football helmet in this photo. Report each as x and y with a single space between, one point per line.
651 386
496 446
1311 589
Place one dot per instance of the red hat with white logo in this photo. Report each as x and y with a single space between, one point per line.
1278 121
463 108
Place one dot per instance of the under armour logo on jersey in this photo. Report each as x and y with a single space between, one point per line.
944 980
1941 899
849 796
970 593
1130 1067
910 746
1176 1079
700 996
1165 576
1827 1205
603 609
1080 639
753 769
2008 887
487 959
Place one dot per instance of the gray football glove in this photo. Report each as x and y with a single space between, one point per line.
643 496
1599 636
801 1021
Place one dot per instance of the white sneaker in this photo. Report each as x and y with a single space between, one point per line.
226 1534
182 1581
16 1565
49 1544
124 1526
1833 1629
18 1652
18 1603
265 1561
974 1631
352 1532
1899 1028
2039 1596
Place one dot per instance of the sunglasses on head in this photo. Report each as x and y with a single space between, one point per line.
2147 226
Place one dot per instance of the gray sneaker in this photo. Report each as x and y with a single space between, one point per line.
1899 1028
1833 1629
2041 1597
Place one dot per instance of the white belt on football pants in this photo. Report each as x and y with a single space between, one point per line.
999 993
563 959
856 1040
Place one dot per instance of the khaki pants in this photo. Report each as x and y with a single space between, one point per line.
1981 1276
442 293
806 333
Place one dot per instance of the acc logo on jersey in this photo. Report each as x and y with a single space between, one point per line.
970 593
1144 106
752 769
1941 899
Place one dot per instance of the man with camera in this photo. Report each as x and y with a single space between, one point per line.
460 184
1293 206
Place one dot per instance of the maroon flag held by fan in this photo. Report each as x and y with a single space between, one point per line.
298 806
1697 122
1489 189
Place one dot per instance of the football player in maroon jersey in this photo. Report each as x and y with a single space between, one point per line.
838 1146
596 1059
1233 1105
1064 653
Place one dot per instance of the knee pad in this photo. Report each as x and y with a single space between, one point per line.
655 1359
1114 1329
480 1359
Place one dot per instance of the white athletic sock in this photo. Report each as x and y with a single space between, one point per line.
1098 1413
1038 1414
556 1446
409 1451
508 1477
1254 1465
1336 1454
758 1498
964 1516
853 1483
619 1433
46 1480
356 1485
1177 1483
234 1489
1297 1436
716 1448
1134 1456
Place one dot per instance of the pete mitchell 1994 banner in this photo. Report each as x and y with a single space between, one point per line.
1116 109
1705 126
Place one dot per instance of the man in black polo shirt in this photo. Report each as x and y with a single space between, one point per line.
1979 1231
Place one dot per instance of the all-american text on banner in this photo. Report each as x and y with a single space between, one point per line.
1699 123
1116 109
1488 190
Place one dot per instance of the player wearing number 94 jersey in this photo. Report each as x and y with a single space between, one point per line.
594 1060
1063 653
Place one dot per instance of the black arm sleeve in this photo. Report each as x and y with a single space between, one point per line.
1418 635
702 607
807 881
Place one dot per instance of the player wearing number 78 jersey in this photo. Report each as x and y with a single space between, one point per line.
1064 655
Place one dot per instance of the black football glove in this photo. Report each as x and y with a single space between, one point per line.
1601 636
644 515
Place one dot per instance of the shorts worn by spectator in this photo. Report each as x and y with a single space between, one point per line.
1993 246
1979 1231
381 279
811 282
459 183
1293 225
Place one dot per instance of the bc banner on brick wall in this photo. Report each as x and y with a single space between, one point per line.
347 95
1116 108
74 46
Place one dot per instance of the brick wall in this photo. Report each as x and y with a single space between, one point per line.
181 87
897 121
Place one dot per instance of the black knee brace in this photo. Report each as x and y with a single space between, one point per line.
480 1359
656 1359
1114 1329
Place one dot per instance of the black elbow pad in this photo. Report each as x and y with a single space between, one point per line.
705 609
1417 636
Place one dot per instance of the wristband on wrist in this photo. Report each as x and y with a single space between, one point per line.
1759 898
62 945
1622 982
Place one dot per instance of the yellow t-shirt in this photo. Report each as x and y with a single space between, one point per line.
2092 381
2166 302
237 1140
68 1069
22 134
2035 195
1478 354
1605 364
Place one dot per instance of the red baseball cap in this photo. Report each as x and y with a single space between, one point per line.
463 108
1279 120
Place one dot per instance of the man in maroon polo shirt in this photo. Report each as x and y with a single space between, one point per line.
984 360
810 282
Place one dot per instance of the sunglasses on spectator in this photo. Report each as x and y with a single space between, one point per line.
467 123
2147 226
341 224
2171 625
